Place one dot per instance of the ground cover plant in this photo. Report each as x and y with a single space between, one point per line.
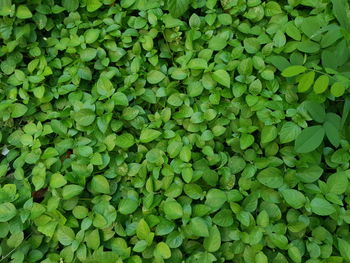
174 131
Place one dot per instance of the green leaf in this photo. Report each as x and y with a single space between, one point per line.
340 13
271 177
7 211
65 235
173 210
18 110
71 190
332 133
316 111
70 5
321 207
148 135
268 134
212 243
162 250
246 140
100 184
310 174
293 71
84 117
23 12
143 230
337 89
294 198
155 76
344 248
309 139
91 35
57 180
306 80
321 84
93 5
198 227
197 63
177 7
104 87
125 141
93 239
215 198
337 183
5 7
289 132
222 77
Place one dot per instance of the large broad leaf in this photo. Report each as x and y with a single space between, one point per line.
340 13
322 207
309 139
178 7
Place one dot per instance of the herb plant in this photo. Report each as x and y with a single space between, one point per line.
174 131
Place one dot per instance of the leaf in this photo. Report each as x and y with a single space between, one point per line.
23 12
162 250
177 7
142 230
18 110
294 198
197 63
337 89
321 84
65 235
155 76
222 77
309 139
271 177
246 140
93 5
340 13
84 117
173 210
268 134
293 71
100 184
198 227
332 133
306 80
212 243
346 110
310 174
71 190
5 7
70 5
104 87
289 132
215 198
7 212
321 207
316 111
337 183
344 248
125 141
148 135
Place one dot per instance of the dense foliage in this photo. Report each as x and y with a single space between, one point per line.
174 131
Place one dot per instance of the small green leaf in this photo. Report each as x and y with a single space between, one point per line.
309 139
212 243
155 76
222 77
321 207
173 210
18 110
148 135
294 198
93 5
344 248
337 183
125 141
321 84
100 184
289 132
294 70
7 211
23 12
271 177
71 190
65 235
84 117
337 89
306 80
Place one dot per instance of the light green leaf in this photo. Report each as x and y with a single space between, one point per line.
71 190
173 210
294 198
222 77
289 132
100 184
155 76
337 183
212 243
306 80
309 139
321 84
148 135
293 71
7 211
321 207
84 117
271 177
93 5
23 12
